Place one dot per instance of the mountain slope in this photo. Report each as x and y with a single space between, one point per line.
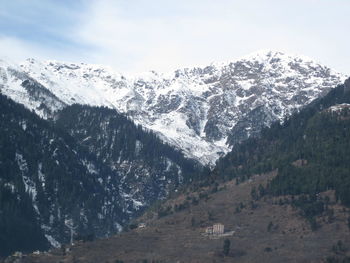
94 180
265 230
193 109
289 200
147 167
47 180
19 86
310 150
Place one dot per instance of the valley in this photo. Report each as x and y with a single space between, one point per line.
277 187
174 131
266 230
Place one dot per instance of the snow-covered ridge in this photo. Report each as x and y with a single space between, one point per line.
339 107
193 109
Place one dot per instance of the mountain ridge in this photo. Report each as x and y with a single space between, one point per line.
194 109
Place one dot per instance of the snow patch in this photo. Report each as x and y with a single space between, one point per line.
41 176
339 107
53 241
90 167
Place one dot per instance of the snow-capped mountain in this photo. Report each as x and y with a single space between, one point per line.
194 109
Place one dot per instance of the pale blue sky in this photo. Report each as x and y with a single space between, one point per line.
140 35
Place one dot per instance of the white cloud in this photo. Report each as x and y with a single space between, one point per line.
15 50
138 37
164 35
159 42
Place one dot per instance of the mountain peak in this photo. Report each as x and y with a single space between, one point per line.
194 109
268 55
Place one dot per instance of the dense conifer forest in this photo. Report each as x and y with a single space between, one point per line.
98 128
310 151
50 173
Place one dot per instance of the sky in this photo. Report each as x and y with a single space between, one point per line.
163 35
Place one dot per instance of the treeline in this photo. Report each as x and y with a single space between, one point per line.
115 138
310 151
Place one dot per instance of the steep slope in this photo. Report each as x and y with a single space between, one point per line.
49 181
92 181
310 150
148 168
193 109
289 201
23 89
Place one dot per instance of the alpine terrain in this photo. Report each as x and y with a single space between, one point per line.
282 197
201 111
84 149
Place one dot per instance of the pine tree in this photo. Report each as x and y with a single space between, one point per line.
226 248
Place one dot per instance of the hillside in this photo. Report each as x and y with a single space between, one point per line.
310 150
285 195
148 168
265 230
201 111
46 180
93 169
52 181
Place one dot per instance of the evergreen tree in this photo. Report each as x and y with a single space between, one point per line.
226 248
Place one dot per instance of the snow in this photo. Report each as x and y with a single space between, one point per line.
24 125
11 79
339 107
165 102
22 163
168 165
53 241
41 176
90 167
118 227
11 187
29 184
136 203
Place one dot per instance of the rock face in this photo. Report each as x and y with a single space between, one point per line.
197 109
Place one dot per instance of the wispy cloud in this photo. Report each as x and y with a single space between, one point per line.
39 29
163 35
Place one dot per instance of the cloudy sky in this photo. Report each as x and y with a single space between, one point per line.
140 35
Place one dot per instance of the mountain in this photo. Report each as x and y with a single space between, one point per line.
200 111
310 150
46 180
65 174
89 166
149 169
282 197
23 89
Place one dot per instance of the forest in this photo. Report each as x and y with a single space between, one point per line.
310 151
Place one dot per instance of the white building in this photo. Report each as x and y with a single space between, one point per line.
218 229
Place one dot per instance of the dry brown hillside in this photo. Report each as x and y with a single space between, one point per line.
266 230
